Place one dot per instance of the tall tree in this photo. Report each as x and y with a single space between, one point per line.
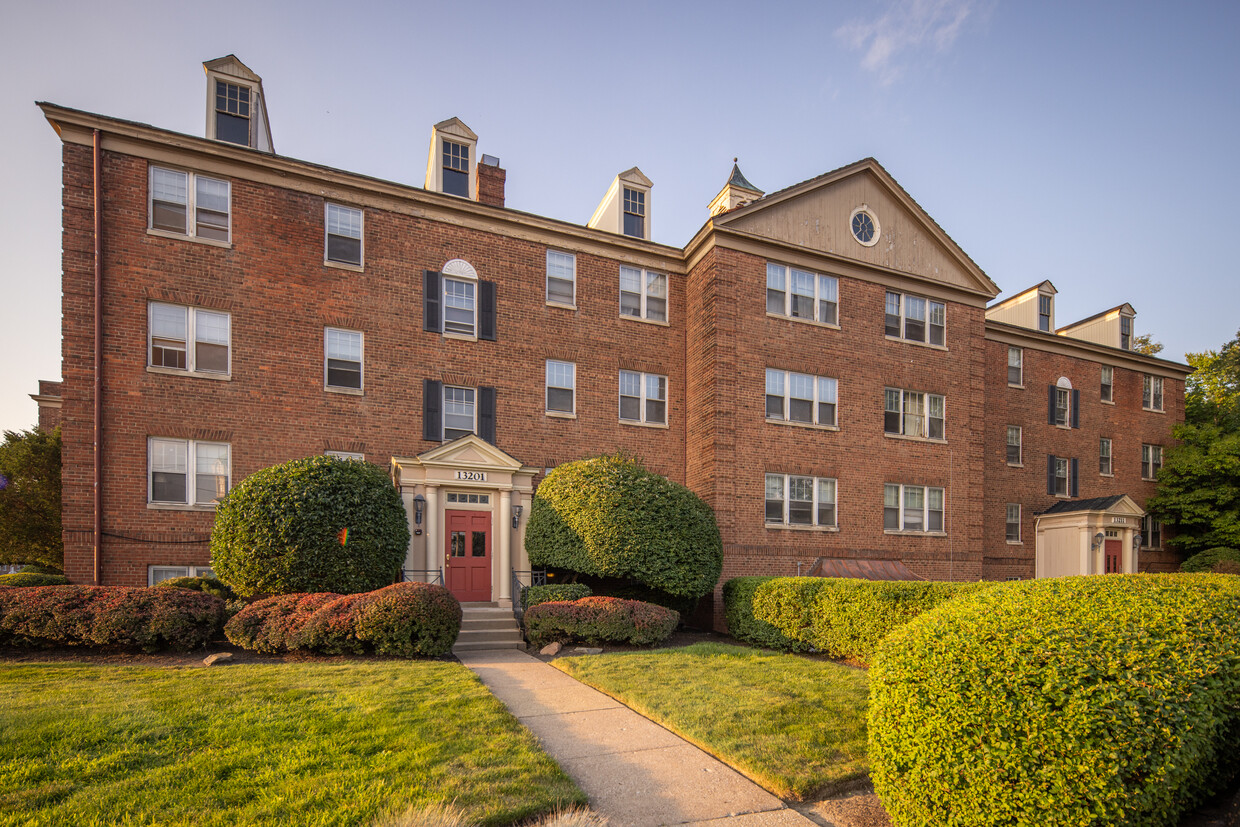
30 498
1145 344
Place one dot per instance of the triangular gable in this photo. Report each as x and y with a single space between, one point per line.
816 215
457 127
231 65
469 451
635 176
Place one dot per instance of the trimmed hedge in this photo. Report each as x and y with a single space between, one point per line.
1206 560
207 585
848 618
600 620
738 594
1081 700
610 517
279 530
553 591
403 620
152 619
24 579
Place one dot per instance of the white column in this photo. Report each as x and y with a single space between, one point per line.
434 531
504 526
406 497
1086 539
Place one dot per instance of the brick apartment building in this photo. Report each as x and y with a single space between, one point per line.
818 363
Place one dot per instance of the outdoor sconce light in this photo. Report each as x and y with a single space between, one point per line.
516 515
1098 538
1136 541
419 504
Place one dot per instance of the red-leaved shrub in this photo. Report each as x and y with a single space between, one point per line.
409 619
274 625
331 630
599 620
109 616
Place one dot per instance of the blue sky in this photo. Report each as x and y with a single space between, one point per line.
1094 144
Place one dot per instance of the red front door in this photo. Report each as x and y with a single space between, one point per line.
1114 557
469 555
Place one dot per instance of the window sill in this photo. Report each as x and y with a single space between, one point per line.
1016 465
1016 387
1063 427
1108 401
829 529
903 533
1015 542
561 305
461 337
344 265
210 242
1105 475
1154 410
637 424
560 415
811 425
344 391
915 438
179 507
1149 479
916 343
655 322
799 320
197 374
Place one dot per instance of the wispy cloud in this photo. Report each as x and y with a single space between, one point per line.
907 27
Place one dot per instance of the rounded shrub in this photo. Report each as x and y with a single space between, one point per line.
207 585
553 591
273 625
610 517
600 620
283 529
738 594
409 620
1208 559
1082 700
22 578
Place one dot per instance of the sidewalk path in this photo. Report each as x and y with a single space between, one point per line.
634 771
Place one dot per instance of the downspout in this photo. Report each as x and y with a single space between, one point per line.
98 201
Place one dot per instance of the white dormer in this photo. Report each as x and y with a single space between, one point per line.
625 209
236 106
1033 308
451 167
1110 327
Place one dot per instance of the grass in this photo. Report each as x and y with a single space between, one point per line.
306 744
794 725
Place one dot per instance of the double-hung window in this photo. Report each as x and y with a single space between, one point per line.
342 362
1151 532
1152 393
1013 522
912 508
1016 367
343 227
561 387
643 294
1104 456
457 303
1044 313
643 398
1151 461
232 113
800 398
1062 476
456 169
1125 333
450 412
799 294
187 471
1063 405
561 278
914 414
459 414
795 500
1108 383
634 213
188 338
189 204
459 307
915 319
1013 445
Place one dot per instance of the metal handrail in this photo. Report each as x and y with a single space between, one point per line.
534 578
422 576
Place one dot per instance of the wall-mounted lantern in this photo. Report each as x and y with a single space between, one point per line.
516 515
1098 538
1136 541
419 506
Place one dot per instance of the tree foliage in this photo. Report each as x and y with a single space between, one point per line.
30 498
1145 344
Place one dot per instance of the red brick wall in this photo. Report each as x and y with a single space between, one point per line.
49 415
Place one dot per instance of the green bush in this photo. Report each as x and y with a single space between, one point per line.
738 594
207 585
848 618
279 530
35 568
273 625
553 591
410 619
1080 700
1206 560
600 620
22 578
610 517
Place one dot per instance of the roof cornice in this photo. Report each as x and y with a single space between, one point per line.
1079 348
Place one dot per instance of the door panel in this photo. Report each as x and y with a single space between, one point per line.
469 555
1114 557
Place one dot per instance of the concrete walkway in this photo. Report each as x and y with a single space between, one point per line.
634 771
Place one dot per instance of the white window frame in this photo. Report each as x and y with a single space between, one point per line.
904 490
571 388
558 276
1019 353
472 401
1106 387
822 386
1018 444
328 234
648 277
903 301
443 296
180 571
1151 461
644 399
1048 300
191 340
346 455
905 396
1008 523
191 472
1064 464
1147 532
816 501
1106 451
824 286
1151 393
641 198
1063 407
361 360
191 206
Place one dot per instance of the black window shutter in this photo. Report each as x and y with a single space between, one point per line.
1074 489
486 414
432 410
1050 404
1050 474
486 310
1076 409
431 291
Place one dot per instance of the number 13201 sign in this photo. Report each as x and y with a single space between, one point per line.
472 476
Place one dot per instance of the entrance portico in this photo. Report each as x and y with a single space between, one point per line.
467 503
1093 536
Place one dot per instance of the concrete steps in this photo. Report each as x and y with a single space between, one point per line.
487 626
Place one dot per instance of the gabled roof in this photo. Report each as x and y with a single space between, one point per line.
635 176
233 63
1117 502
1041 287
456 126
1125 309
470 450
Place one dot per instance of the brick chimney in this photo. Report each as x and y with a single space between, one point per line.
491 177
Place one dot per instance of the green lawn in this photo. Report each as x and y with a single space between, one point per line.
305 744
794 725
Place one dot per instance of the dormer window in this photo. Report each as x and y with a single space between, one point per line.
232 113
236 108
456 169
625 209
634 213
1044 313
1125 333
450 166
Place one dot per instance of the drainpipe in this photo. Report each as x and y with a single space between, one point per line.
98 202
